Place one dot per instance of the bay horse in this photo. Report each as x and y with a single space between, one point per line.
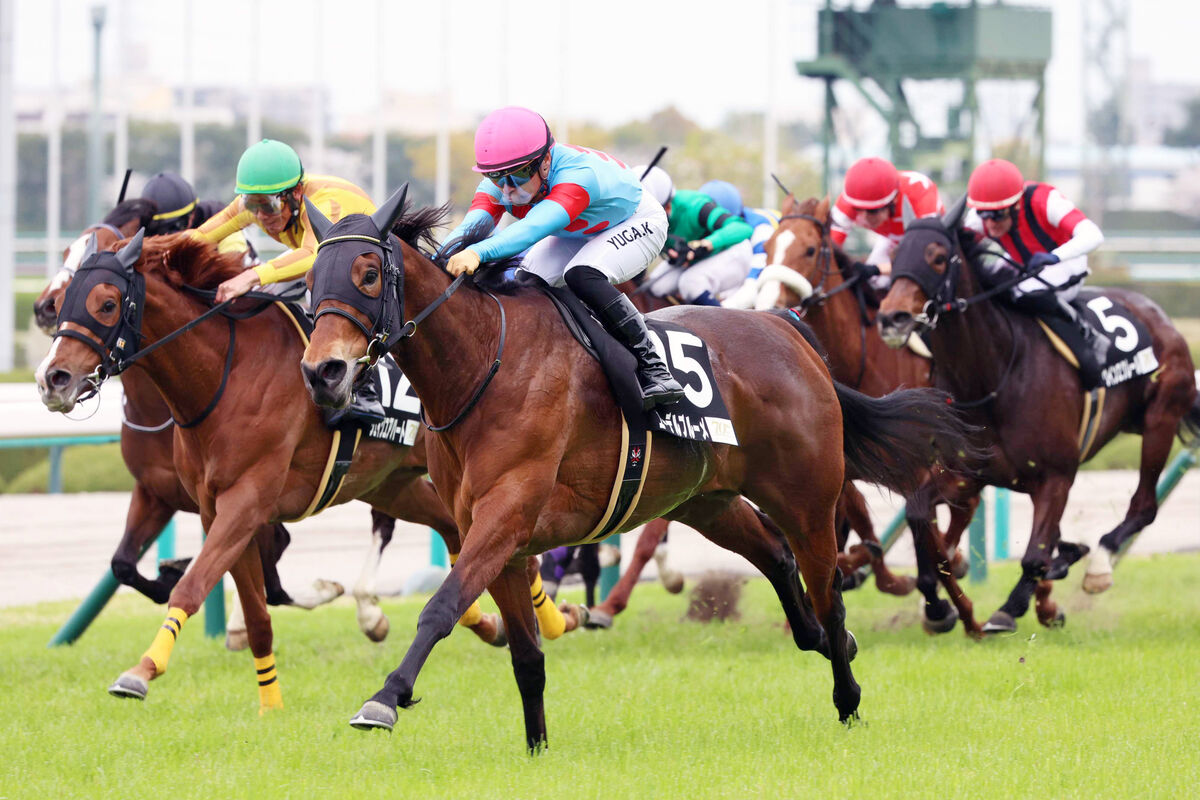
1028 402
525 454
826 297
147 444
253 449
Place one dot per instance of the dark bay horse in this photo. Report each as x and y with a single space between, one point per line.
525 454
260 452
857 355
1029 402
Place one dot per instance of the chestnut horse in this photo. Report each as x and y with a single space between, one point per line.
988 357
252 449
525 454
147 437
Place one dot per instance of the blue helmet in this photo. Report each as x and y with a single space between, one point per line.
726 194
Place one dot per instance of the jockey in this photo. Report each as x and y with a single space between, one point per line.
764 222
177 209
271 187
1044 234
584 218
880 198
708 246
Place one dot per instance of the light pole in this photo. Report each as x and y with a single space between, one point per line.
95 132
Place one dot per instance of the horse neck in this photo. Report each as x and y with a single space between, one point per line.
186 371
971 349
452 349
837 324
143 403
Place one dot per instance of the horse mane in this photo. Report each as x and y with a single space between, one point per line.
184 260
490 276
138 208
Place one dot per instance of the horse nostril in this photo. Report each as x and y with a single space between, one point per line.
58 379
332 372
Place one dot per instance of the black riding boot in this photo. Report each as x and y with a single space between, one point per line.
1097 344
625 322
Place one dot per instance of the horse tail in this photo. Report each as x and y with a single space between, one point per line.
892 440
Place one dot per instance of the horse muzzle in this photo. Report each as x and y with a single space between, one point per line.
45 313
329 382
895 327
59 388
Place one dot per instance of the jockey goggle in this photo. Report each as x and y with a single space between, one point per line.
993 213
263 204
515 177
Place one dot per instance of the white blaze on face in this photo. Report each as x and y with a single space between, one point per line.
74 256
40 375
783 240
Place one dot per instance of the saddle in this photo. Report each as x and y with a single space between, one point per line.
1130 352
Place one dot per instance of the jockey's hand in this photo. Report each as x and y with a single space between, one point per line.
701 248
1040 261
463 261
868 271
237 286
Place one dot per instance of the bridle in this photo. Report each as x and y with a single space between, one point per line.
385 312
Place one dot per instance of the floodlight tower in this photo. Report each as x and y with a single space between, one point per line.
884 45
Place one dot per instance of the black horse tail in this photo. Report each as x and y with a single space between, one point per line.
892 440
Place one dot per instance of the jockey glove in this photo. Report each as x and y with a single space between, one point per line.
1040 261
867 271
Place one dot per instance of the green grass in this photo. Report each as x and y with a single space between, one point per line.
1106 707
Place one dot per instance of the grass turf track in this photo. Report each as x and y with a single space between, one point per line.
1107 707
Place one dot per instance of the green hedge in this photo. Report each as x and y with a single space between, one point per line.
85 468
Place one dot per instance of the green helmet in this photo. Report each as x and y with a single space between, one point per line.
268 167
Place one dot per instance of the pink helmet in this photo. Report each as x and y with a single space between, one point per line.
509 137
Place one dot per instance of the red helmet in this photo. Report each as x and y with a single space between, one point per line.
994 184
871 183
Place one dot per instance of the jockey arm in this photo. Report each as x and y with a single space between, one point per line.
1085 235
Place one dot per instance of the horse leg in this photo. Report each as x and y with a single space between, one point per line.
510 590
371 619
1157 435
247 574
486 550
960 518
589 570
933 567
809 528
733 524
145 520
230 531
1049 500
853 506
618 599
671 579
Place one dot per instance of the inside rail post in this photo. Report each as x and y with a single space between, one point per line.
977 543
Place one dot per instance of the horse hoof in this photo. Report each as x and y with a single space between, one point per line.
943 625
129 685
853 580
578 613
1000 622
328 591
237 640
598 620
1096 583
672 581
380 630
851 645
501 639
1059 621
374 715
902 586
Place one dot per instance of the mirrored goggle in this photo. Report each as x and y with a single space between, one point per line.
993 213
514 177
263 203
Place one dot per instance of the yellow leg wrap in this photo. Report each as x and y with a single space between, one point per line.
164 640
550 619
269 694
473 615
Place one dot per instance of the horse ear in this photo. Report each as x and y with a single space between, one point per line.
823 209
954 216
128 255
788 205
89 250
387 214
319 222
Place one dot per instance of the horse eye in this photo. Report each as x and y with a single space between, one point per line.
370 277
810 252
108 307
940 260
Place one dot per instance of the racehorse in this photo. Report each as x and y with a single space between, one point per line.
525 454
989 357
820 279
147 444
250 447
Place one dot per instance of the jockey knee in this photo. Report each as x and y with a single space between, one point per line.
692 284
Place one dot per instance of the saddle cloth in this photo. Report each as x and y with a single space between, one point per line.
1130 349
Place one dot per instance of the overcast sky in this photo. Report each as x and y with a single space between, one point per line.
620 59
